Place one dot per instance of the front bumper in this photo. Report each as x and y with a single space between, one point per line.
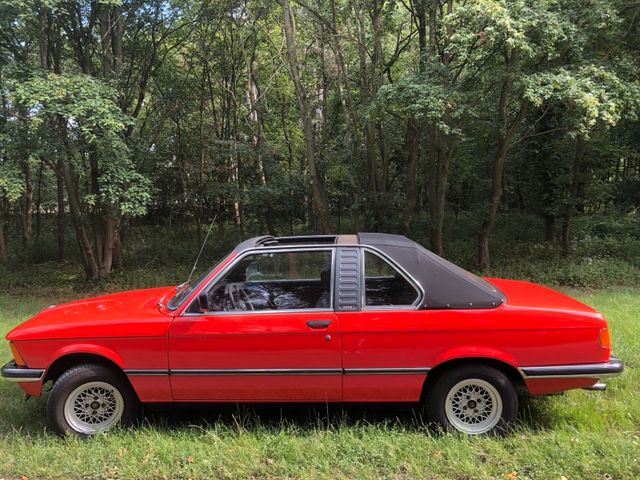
16 373
613 367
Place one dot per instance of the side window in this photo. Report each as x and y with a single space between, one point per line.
384 285
274 281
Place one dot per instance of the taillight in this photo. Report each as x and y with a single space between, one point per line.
16 355
604 340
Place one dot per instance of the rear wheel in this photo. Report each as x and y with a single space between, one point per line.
474 399
89 399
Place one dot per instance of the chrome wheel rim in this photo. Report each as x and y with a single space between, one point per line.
473 406
93 407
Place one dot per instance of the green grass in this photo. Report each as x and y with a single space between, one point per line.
579 435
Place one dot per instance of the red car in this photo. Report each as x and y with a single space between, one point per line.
348 318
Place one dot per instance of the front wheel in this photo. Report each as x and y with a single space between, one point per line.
89 399
472 400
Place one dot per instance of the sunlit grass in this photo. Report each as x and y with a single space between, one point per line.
579 435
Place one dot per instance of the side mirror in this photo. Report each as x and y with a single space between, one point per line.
203 302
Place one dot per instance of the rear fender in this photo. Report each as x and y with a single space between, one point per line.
475 351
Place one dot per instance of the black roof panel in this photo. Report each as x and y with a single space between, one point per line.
445 284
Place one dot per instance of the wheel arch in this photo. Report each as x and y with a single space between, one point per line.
70 359
512 373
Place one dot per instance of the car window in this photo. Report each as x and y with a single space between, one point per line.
275 281
185 289
384 285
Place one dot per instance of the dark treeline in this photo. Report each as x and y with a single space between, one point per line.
312 115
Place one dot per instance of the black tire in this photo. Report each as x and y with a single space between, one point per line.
128 405
498 420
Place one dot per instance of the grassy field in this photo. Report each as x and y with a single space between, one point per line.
579 435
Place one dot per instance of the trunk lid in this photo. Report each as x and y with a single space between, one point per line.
531 295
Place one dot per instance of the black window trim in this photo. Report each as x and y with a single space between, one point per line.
263 250
417 287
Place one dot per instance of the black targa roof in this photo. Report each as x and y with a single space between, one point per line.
445 285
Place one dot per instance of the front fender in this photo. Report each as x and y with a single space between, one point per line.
87 349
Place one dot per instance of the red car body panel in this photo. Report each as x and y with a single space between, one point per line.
255 341
100 317
369 355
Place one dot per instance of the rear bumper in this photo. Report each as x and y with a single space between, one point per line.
611 368
16 373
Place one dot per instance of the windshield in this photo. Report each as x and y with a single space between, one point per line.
185 289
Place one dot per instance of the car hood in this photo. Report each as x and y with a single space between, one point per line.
124 314
532 295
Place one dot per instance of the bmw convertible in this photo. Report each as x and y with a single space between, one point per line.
341 318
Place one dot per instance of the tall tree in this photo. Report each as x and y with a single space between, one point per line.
315 179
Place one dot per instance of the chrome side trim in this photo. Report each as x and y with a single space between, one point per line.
15 373
145 372
386 371
611 368
255 371
277 371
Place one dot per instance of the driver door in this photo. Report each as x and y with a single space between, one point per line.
263 331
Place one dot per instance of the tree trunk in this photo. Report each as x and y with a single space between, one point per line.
411 157
96 208
3 236
484 262
504 143
110 235
569 207
550 228
366 89
86 251
379 133
43 37
116 38
439 157
4 225
84 245
236 178
27 204
257 140
26 200
117 251
61 208
3 246
104 24
438 147
38 205
354 150
315 180
287 139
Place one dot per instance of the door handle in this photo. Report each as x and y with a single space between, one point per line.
318 323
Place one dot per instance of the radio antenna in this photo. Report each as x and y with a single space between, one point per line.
195 264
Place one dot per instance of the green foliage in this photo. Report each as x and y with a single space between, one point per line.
89 108
11 184
594 95
84 102
417 96
186 110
